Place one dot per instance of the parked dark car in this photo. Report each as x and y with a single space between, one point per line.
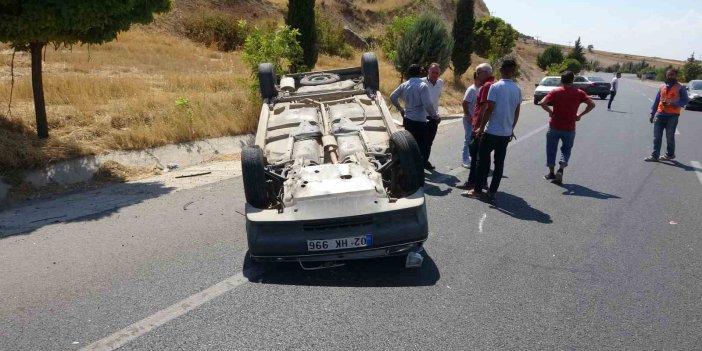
593 85
694 90
649 75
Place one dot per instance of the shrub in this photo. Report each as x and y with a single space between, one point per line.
278 46
393 34
550 56
224 31
427 41
567 65
330 37
494 38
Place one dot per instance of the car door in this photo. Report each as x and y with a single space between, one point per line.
582 83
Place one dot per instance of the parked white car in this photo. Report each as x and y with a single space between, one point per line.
547 84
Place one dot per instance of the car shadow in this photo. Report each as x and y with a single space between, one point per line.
377 272
434 178
518 208
680 165
579 190
78 206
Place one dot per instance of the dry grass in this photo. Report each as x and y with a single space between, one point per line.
121 95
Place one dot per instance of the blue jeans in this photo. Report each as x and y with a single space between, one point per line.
468 129
612 94
668 123
567 138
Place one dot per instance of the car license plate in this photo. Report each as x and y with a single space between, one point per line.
339 244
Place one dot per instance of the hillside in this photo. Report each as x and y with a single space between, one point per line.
121 95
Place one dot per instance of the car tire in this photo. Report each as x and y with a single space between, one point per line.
407 173
266 81
369 69
319 78
253 172
603 96
536 101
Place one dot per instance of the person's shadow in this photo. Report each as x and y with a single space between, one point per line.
518 208
681 166
579 190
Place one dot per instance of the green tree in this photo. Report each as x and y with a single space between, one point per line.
462 32
29 25
278 46
590 48
551 55
577 52
393 34
301 17
330 36
568 64
692 69
425 42
493 38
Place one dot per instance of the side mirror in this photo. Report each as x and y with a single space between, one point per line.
536 85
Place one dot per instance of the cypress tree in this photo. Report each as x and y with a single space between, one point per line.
301 17
427 41
577 52
463 36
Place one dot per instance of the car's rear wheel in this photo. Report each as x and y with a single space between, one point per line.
369 68
407 174
603 96
266 79
253 171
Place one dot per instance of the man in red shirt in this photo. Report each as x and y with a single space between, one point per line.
486 78
565 101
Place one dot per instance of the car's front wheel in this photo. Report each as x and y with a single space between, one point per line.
603 96
407 173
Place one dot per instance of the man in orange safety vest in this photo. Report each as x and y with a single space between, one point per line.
665 111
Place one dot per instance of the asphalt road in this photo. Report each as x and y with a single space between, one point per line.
612 259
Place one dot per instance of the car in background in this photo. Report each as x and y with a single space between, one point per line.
649 76
593 85
694 90
545 86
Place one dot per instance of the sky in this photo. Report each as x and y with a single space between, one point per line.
671 30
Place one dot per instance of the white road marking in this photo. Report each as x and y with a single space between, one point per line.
168 314
698 169
482 220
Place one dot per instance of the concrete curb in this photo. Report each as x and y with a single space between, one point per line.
82 169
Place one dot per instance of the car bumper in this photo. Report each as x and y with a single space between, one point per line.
539 97
399 228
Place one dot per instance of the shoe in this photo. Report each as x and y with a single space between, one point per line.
550 176
466 165
558 179
465 186
473 194
667 158
651 159
428 166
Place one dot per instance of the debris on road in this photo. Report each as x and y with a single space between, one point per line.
193 175
172 166
185 207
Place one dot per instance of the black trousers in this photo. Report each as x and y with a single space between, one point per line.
420 132
473 150
432 129
488 144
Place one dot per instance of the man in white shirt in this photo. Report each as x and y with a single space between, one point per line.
435 85
469 100
496 130
417 98
613 90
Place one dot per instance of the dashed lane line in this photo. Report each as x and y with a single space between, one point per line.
146 325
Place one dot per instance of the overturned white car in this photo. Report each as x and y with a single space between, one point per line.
330 177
